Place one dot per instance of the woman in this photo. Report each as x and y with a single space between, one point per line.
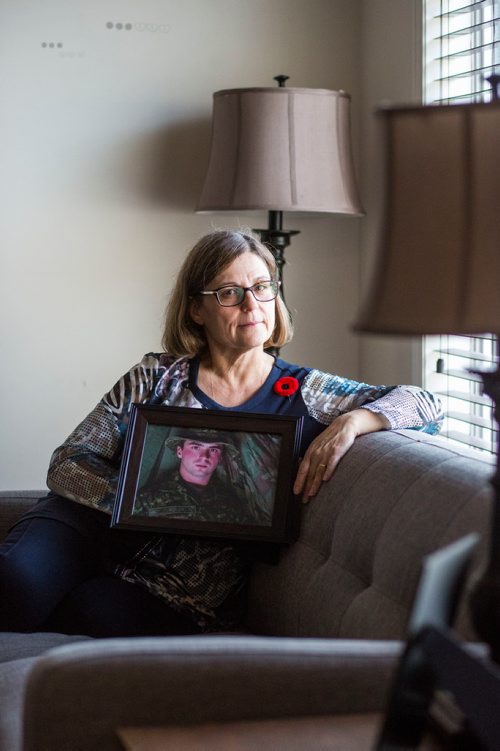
63 569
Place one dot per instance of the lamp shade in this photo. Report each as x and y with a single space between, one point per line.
438 269
280 149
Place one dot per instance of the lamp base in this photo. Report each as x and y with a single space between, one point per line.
485 599
435 659
485 607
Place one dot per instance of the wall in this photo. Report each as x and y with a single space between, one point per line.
103 141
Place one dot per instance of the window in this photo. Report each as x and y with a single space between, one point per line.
461 48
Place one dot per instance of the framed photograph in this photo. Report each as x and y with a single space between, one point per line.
209 473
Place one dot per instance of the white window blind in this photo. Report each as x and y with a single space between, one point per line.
461 48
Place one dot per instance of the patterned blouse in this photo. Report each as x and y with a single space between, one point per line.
198 576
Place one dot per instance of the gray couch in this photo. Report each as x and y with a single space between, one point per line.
324 625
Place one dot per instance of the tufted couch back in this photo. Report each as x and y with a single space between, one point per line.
395 497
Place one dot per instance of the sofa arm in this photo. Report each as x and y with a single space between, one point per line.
77 696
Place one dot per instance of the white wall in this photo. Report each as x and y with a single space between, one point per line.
103 146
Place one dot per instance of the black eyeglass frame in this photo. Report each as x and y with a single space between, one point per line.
275 285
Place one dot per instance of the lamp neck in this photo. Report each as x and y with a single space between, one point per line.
276 239
494 81
275 221
281 79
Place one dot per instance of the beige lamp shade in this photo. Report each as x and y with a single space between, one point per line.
438 269
280 149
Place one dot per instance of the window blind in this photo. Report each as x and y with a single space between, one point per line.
461 47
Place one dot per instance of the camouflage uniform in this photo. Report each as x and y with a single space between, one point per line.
172 497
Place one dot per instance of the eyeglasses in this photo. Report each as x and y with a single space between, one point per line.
229 296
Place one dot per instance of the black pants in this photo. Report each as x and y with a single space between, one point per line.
55 576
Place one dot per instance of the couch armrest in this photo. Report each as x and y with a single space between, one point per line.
77 696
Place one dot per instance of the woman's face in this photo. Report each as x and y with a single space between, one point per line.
242 327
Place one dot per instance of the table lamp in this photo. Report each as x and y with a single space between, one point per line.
280 149
438 269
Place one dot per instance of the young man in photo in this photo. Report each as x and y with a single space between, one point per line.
194 489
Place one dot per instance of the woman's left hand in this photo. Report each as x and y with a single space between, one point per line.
328 448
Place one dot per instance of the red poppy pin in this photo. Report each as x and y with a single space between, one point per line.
286 386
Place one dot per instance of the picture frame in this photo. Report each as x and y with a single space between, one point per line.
209 473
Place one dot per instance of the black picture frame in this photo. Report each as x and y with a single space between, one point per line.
248 495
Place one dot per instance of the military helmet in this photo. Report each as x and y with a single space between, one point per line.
203 435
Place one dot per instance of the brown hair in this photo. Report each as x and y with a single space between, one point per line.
209 257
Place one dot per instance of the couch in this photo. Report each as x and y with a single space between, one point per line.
323 629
